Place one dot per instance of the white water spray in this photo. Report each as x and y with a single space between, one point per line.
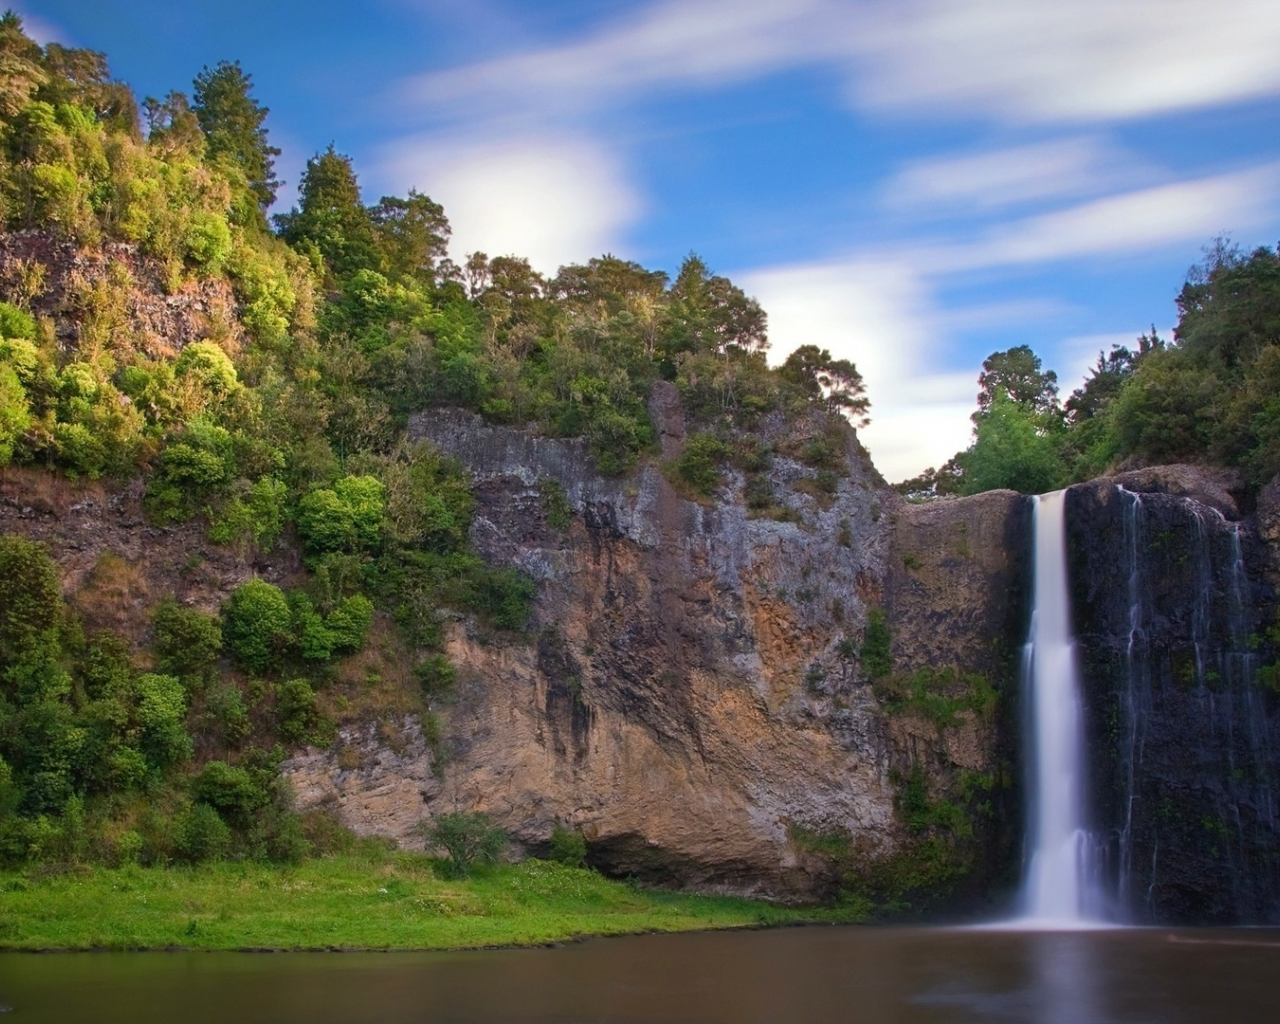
1060 888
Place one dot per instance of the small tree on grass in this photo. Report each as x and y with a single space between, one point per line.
467 837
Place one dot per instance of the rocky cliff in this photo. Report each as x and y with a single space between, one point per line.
689 692
1173 591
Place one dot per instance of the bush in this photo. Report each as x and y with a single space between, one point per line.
699 463
297 717
257 624
15 322
30 601
568 846
347 517
162 713
231 790
200 834
467 838
348 624
187 642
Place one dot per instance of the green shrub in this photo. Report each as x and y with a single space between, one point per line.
348 624
187 641
257 624
162 714
699 463
225 709
435 674
199 834
348 517
297 717
16 323
232 790
568 846
466 837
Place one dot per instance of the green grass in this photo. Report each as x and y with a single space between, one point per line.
397 902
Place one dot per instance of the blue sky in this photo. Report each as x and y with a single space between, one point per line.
911 183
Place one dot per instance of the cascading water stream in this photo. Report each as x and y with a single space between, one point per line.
1060 888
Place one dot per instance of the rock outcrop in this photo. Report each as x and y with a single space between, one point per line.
688 694
1170 591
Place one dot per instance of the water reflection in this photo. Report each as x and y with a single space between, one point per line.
903 976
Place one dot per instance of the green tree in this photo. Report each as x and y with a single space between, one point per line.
467 838
232 121
257 624
835 383
330 219
1011 449
413 234
1017 374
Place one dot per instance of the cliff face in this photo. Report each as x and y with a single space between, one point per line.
115 292
689 693
1172 587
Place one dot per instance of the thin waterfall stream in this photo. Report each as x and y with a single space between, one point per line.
1061 886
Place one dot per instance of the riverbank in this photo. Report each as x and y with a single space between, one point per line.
350 903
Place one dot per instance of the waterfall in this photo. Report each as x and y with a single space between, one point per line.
1061 887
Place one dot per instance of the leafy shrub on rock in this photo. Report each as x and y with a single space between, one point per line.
257 624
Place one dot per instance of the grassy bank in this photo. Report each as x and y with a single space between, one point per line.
399 902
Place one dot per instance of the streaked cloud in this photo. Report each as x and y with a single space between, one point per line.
992 179
1130 222
1089 60
553 199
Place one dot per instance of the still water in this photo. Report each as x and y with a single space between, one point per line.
805 974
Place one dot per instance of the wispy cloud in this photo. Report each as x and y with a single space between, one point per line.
676 43
881 316
1089 60
1130 222
992 179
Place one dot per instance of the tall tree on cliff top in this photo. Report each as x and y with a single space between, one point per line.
232 122
1016 372
330 219
836 382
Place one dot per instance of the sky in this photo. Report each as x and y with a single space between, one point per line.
912 184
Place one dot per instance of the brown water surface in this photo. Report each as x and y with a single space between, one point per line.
856 975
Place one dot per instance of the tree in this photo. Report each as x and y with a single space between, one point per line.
836 383
413 234
467 837
21 73
1012 450
709 313
1016 373
330 218
257 624
232 122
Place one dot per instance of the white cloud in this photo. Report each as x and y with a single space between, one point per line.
879 315
1088 60
1134 221
994 178
553 199
670 44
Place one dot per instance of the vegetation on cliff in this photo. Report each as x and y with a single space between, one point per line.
279 422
